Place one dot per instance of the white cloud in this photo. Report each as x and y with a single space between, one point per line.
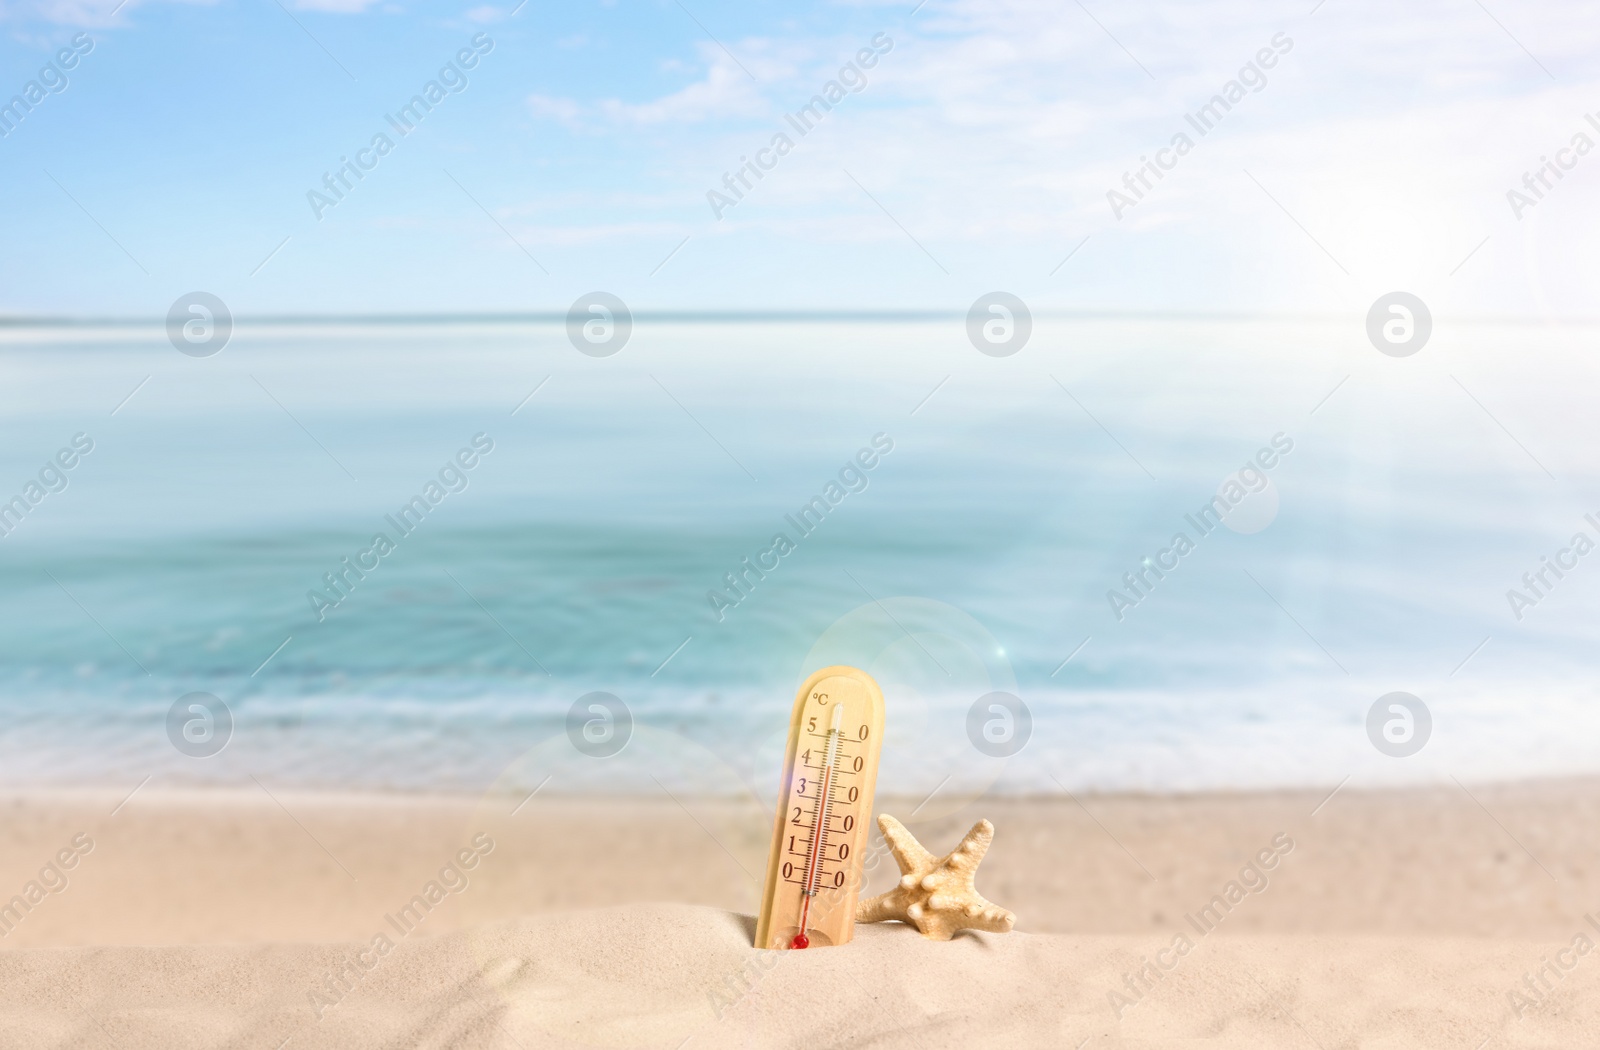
86 13
562 110
91 13
336 7
994 130
739 88
726 91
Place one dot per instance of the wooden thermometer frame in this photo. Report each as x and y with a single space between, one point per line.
832 910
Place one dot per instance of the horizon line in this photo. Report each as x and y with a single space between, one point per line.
789 316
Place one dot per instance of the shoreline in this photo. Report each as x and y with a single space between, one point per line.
206 793
244 867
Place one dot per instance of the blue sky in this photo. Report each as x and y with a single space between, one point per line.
1376 154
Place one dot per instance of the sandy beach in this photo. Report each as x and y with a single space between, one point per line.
1392 919
501 505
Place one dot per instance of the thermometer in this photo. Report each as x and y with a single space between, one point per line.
819 837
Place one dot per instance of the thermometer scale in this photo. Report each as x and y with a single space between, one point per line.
819 836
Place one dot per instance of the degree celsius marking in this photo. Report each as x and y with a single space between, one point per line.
819 836
820 819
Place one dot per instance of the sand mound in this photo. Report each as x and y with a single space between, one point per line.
673 975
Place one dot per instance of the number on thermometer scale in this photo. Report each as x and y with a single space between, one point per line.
830 772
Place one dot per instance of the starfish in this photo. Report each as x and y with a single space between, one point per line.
936 895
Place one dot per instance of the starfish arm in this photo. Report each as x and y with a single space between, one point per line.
967 912
908 852
990 920
926 922
883 906
973 848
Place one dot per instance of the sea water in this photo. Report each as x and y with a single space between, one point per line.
618 532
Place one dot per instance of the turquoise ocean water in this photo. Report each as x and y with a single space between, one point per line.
1406 498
